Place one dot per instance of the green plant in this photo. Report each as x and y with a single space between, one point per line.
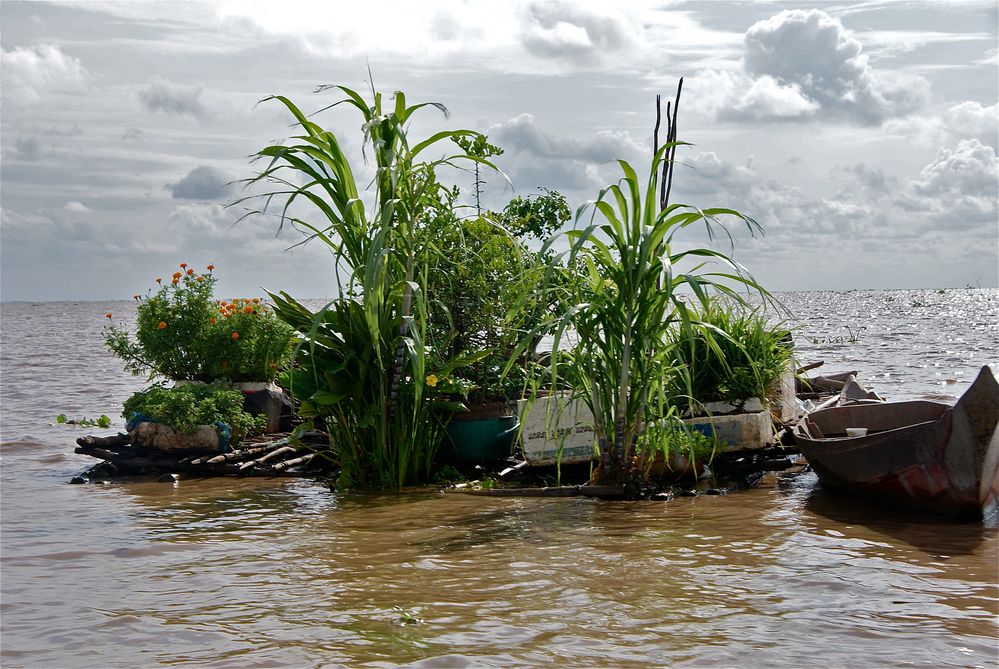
363 363
480 270
477 146
183 333
538 216
632 294
186 406
727 352
102 422
246 341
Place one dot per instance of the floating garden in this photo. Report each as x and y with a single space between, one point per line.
460 334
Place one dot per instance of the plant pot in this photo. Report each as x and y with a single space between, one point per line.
556 430
478 440
736 432
675 466
164 438
483 412
267 399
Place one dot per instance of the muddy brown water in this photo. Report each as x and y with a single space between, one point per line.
284 573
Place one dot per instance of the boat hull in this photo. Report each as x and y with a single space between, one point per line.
924 455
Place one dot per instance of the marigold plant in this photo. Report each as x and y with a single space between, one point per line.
183 333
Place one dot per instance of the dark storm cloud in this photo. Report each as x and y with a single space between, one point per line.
522 133
166 96
201 183
27 148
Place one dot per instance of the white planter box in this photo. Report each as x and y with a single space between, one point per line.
556 430
738 432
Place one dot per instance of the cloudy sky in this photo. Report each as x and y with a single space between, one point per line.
861 135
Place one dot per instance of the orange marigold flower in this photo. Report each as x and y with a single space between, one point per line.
159 280
211 267
177 275
248 309
161 325
235 336
175 281
137 297
183 265
256 300
212 321
190 272
107 315
200 278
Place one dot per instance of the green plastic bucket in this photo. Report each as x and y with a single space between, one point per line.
479 440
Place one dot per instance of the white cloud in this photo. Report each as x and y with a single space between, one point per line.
960 185
29 73
965 120
767 98
577 32
972 119
166 96
800 65
76 207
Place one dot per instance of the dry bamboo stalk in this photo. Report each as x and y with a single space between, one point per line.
294 461
238 454
272 454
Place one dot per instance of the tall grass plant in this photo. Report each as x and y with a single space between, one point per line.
362 364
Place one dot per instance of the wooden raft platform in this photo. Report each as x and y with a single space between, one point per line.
266 455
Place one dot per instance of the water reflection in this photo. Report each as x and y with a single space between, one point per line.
283 573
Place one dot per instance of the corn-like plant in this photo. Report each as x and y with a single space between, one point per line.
634 290
362 361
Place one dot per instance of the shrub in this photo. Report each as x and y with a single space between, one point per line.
182 333
186 406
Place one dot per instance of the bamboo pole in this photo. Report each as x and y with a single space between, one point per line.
271 455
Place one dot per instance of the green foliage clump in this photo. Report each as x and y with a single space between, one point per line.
630 298
183 333
538 216
480 269
187 406
726 352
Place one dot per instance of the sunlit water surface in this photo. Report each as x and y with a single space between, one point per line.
280 573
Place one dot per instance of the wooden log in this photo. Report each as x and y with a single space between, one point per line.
814 365
270 456
598 491
96 452
286 464
112 441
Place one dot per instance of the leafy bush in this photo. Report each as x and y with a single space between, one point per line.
481 268
727 352
183 333
186 406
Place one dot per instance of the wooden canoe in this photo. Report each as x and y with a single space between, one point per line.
921 454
